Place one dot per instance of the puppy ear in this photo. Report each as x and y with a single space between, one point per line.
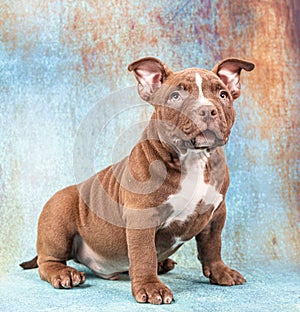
229 72
150 74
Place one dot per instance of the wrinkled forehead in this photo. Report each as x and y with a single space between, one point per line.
196 81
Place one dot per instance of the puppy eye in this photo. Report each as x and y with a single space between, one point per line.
224 94
175 97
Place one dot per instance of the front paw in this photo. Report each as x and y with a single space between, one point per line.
152 292
220 274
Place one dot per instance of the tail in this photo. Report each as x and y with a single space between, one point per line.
32 264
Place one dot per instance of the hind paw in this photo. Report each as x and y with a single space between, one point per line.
165 266
67 278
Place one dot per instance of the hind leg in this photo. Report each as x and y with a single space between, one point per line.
56 230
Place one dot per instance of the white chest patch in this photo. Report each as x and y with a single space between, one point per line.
192 189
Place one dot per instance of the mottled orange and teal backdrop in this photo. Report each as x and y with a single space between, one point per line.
61 59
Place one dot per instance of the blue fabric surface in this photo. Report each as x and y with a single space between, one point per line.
271 288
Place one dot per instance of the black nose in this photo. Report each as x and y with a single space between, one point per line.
208 111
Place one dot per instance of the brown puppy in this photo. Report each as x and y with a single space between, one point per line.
134 214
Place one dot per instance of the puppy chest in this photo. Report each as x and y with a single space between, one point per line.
193 193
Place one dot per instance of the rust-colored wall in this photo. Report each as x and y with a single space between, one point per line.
59 58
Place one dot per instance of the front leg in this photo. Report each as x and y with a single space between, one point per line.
146 286
209 252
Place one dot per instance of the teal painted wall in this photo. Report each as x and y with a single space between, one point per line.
61 60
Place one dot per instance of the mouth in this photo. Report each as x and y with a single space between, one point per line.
206 141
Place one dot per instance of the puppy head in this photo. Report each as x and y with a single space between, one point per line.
193 107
